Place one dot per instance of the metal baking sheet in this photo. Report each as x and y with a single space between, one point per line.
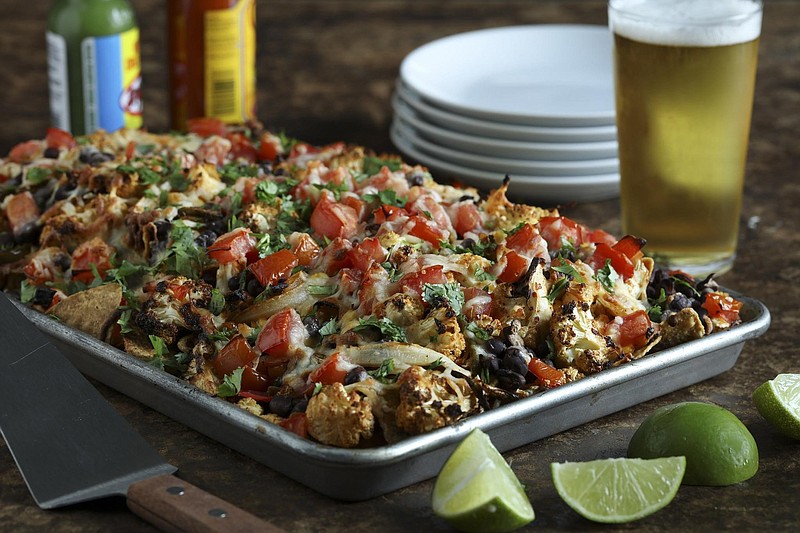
362 474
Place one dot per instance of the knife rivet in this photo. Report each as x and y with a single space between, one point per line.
218 513
177 490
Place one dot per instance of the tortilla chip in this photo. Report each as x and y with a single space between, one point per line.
92 311
684 326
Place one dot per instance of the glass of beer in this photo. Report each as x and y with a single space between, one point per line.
684 75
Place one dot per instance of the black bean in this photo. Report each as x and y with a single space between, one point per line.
490 362
415 179
300 405
63 191
163 228
496 346
355 375
206 238
515 362
372 229
312 324
680 301
233 283
43 296
509 380
254 287
281 405
51 152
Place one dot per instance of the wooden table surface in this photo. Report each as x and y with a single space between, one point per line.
326 70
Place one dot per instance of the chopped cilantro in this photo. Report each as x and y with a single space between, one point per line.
329 328
384 372
607 276
449 293
231 384
478 331
373 165
26 291
37 175
389 330
558 288
124 321
386 197
217 303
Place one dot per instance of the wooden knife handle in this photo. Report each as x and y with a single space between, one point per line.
171 504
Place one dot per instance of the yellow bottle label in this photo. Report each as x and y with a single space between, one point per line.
230 45
131 99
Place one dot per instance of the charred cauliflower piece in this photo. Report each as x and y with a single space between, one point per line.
439 331
576 333
508 215
401 309
429 401
176 304
339 418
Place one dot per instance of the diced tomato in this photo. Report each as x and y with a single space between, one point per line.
423 228
624 255
232 246
58 138
214 150
599 235
722 306
282 332
95 252
477 302
516 266
306 249
301 148
22 212
466 217
388 212
130 150
297 423
548 375
374 287
274 267
350 280
25 152
206 126
242 148
428 208
254 381
236 354
556 230
619 261
355 203
367 252
630 246
269 147
336 256
415 281
631 330
332 219
332 370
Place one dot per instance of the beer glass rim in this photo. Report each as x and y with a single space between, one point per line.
625 11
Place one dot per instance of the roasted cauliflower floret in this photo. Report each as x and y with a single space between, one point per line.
402 309
576 333
439 331
429 401
339 418
175 304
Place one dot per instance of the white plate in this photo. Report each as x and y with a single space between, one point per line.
552 169
522 188
499 130
546 75
529 150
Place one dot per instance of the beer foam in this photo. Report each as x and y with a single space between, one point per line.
686 22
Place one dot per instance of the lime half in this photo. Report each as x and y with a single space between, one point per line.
719 449
618 490
778 400
476 490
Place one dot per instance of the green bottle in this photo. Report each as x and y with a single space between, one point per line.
94 67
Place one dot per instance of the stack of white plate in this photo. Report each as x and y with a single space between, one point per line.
532 102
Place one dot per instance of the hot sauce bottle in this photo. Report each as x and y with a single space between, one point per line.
94 67
212 60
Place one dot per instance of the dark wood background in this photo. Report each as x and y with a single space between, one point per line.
326 69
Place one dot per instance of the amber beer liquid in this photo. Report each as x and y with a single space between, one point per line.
684 101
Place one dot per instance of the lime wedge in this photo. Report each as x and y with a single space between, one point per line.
719 449
778 401
476 490
620 490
